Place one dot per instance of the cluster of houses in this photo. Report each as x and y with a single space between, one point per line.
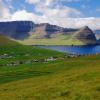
39 60
15 63
4 56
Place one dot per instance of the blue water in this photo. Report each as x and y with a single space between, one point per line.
78 50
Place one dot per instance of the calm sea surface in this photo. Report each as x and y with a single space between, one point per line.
79 50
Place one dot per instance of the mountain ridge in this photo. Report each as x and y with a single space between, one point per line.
29 33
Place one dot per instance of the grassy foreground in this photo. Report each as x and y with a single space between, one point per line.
64 79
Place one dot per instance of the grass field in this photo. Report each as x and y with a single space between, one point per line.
63 79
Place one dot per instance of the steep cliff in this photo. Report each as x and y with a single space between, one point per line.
86 35
16 29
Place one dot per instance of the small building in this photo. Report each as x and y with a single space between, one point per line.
50 59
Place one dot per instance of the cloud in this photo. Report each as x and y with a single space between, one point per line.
46 12
48 2
54 12
51 8
58 11
61 21
21 15
92 22
9 4
45 2
32 1
24 15
4 11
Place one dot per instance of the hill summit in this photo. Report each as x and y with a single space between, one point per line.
86 35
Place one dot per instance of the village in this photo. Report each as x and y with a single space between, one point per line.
35 60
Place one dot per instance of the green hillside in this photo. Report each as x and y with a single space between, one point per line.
55 40
4 41
64 79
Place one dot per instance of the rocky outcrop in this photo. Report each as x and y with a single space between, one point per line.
16 29
86 35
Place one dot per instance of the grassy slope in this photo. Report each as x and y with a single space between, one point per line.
55 40
11 47
70 79
7 42
21 53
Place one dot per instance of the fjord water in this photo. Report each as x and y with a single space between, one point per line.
78 50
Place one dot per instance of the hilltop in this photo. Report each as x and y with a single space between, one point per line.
85 35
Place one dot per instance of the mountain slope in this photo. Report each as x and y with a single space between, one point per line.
16 29
81 36
4 41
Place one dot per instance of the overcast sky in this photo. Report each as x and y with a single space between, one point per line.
66 13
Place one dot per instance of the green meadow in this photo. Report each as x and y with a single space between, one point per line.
62 79
54 40
25 75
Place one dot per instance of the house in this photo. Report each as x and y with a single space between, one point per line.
50 59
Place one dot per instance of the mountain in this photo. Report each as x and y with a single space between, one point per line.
46 34
22 29
29 33
85 35
16 29
50 30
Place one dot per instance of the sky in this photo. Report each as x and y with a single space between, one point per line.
65 13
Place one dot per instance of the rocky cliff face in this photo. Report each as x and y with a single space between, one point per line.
86 35
49 30
22 29
16 29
